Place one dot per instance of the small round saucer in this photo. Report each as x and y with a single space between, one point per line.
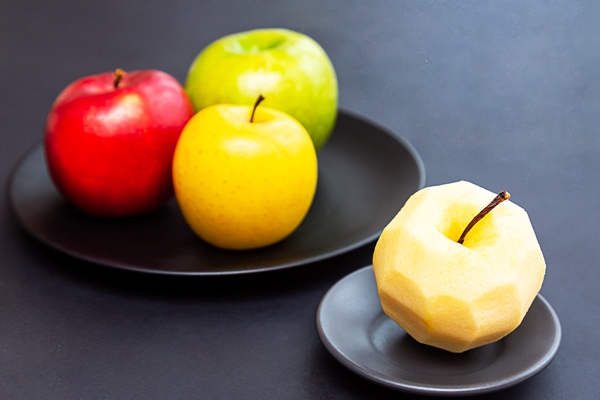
354 329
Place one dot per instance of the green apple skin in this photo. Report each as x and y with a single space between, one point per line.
291 70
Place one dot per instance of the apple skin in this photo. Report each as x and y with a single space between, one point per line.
109 149
244 185
291 70
458 296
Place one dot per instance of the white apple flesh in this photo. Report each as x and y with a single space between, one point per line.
458 296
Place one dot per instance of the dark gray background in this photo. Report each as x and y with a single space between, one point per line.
502 93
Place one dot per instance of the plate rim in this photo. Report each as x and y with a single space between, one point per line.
401 140
435 390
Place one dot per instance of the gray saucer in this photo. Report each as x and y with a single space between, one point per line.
354 329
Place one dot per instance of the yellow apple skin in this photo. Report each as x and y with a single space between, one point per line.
458 296
241 184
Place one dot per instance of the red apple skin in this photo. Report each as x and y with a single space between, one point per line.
109 150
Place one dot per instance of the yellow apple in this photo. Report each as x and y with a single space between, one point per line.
244 177
458 296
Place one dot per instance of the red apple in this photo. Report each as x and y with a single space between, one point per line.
110 139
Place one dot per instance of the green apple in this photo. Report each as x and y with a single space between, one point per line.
451 290
291 70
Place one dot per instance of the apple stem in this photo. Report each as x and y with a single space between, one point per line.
260 98
119 74
504 195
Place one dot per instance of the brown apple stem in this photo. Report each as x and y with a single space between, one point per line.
260 98
119 74
504 195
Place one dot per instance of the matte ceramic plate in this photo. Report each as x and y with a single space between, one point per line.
353 327
366 174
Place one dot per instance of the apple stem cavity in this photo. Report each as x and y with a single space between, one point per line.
504 195
119 74
258 101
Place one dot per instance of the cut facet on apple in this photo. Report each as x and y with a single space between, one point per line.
458 296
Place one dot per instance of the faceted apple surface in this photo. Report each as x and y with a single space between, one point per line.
458 296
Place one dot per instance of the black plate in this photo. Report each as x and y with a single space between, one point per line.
366 174
355 330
